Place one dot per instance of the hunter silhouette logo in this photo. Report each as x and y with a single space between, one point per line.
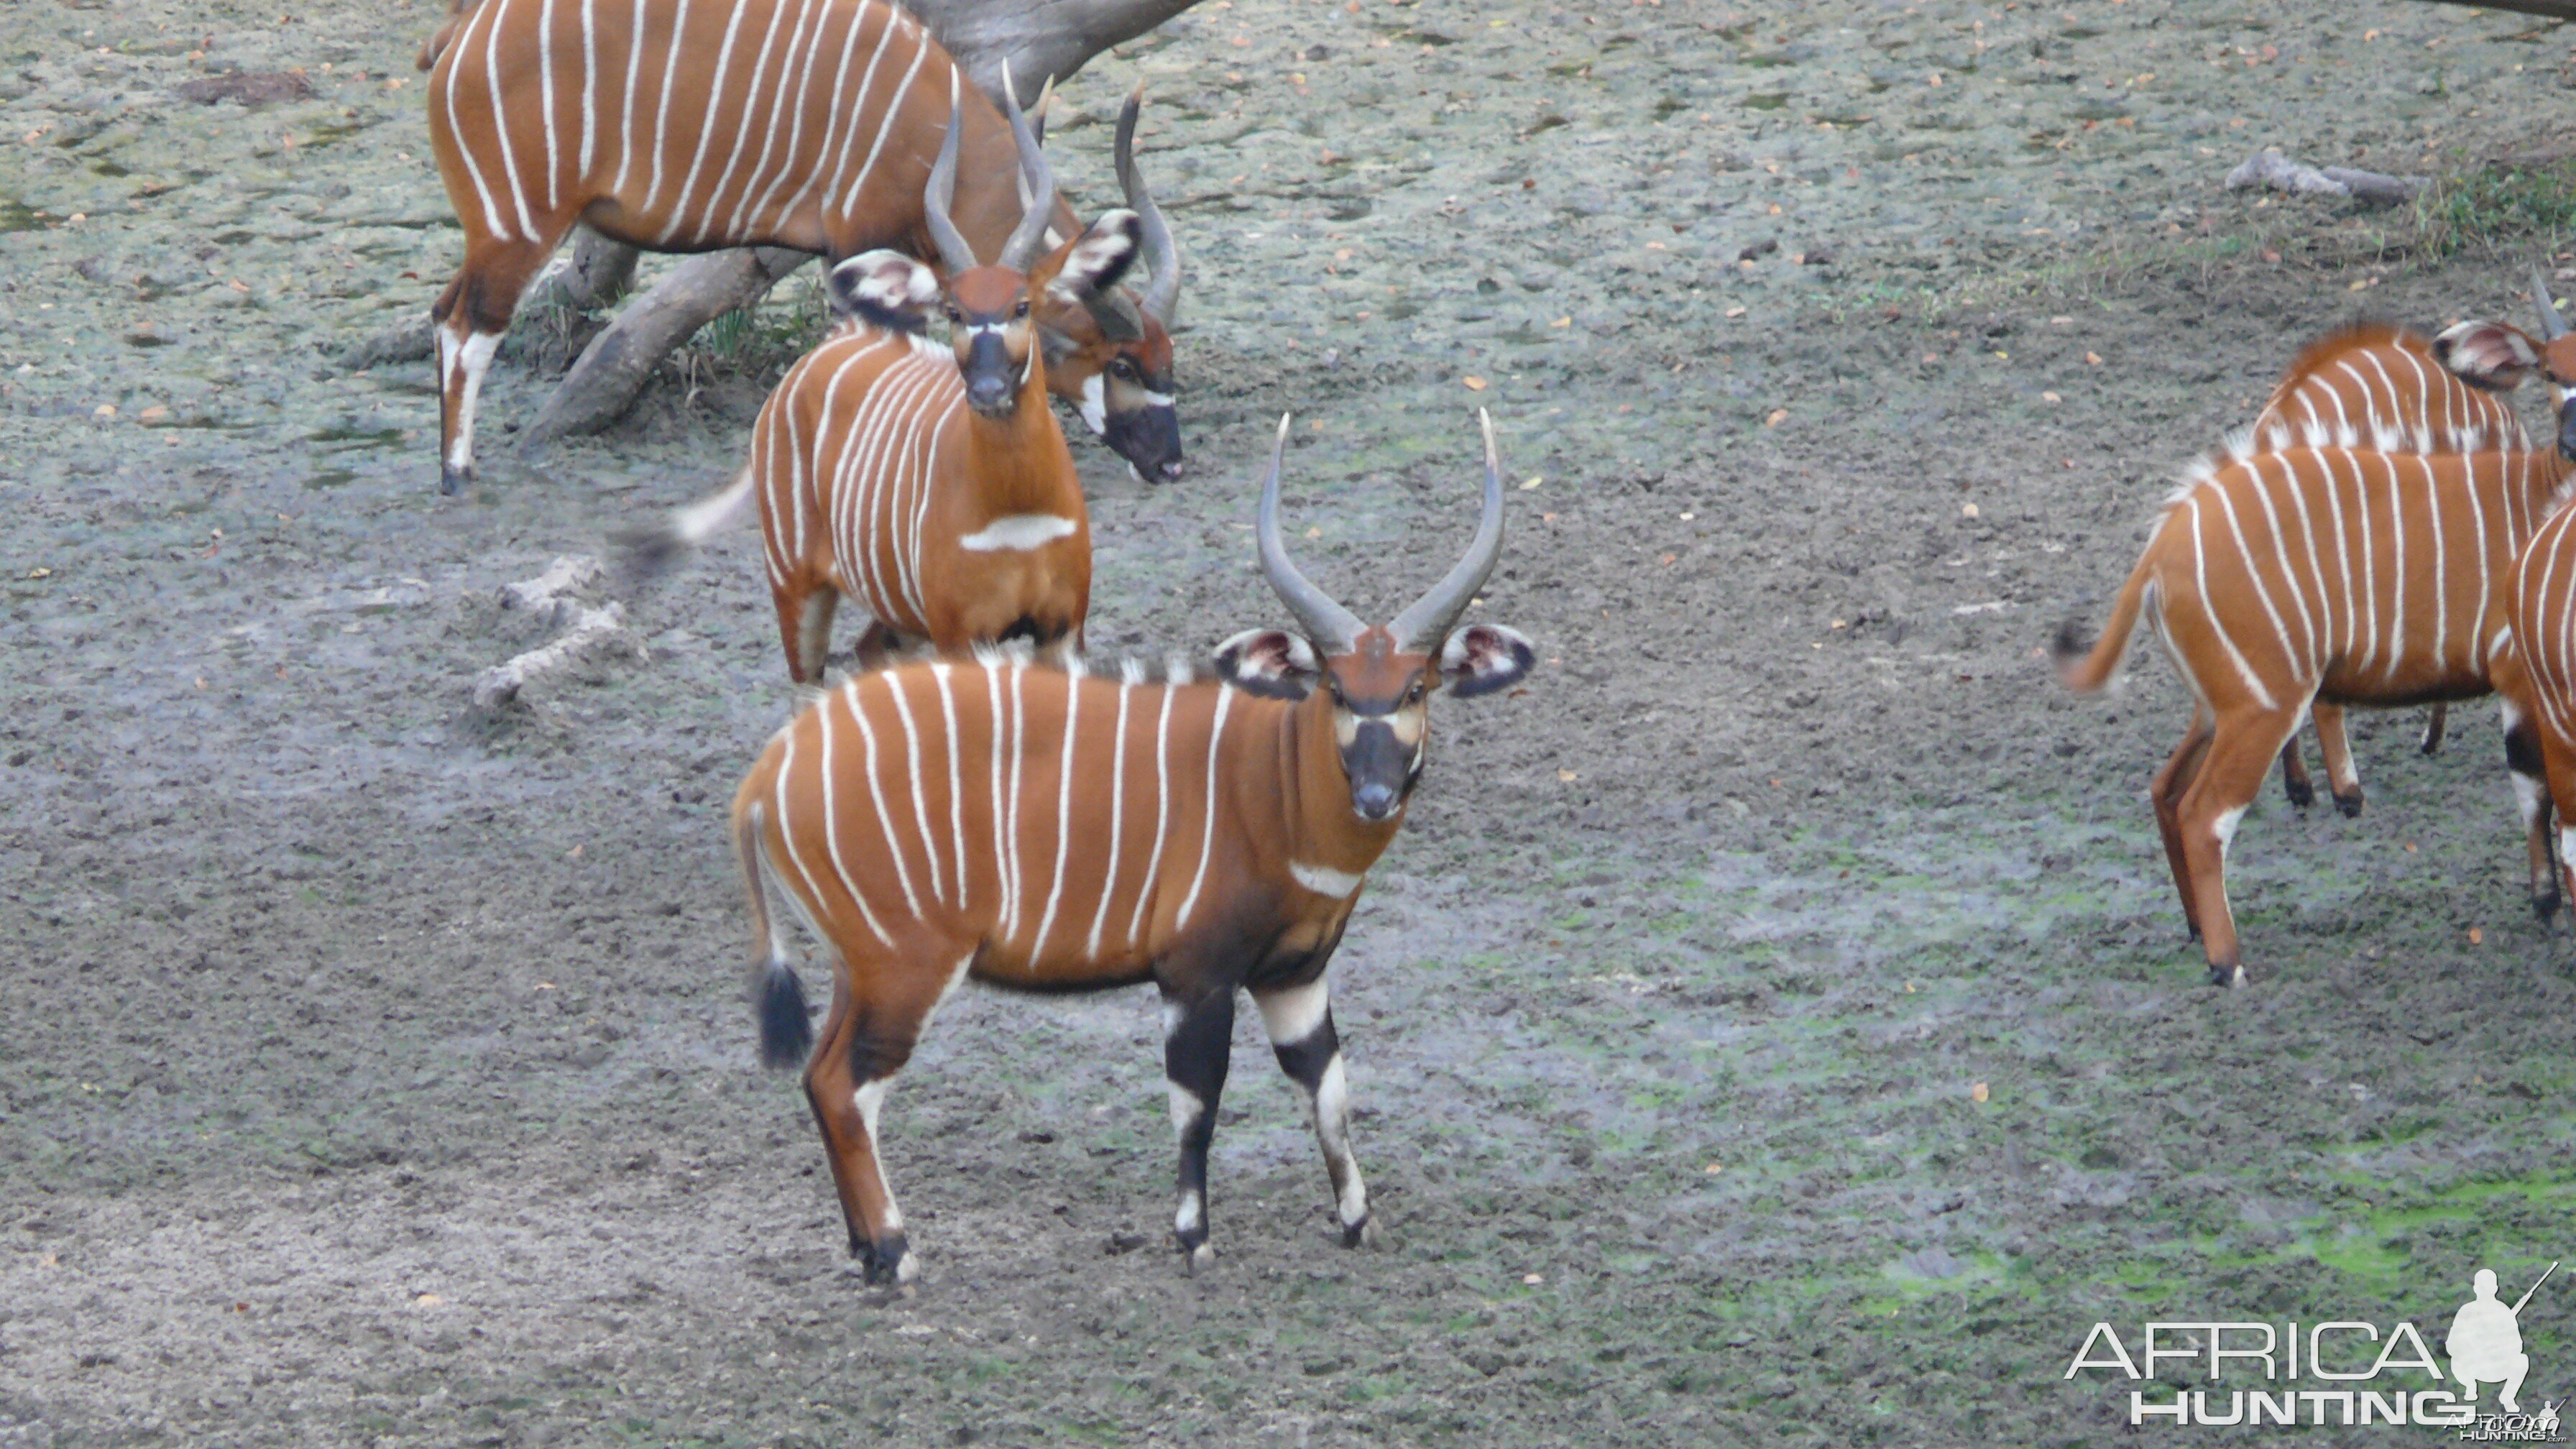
2485 1343
2344 1372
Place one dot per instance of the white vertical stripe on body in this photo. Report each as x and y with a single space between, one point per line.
1152 881
848 694
886 119
753 118
714 104
589 85
455 63
500 118
832 826
662 106
1117 817
795 83
545 48
940 673
634 69
1063 814
1019 752
856 113
912 771
1207 828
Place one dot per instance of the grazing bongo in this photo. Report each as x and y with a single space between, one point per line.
2375 385
1047 830
2277 579
931 482
696 125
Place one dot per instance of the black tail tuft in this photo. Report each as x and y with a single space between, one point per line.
786 1037
645 553
2070 643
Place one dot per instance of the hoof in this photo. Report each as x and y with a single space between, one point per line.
1361 1234
2301 793
1195 1259
2545 906
2227 976
452 481
2350 805
889 1262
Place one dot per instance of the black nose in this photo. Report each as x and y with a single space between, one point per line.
1374 801
2567 434
1170 470
986 393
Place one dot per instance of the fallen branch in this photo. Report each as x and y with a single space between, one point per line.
2269 168
609 373
2553 9
596 273
553 596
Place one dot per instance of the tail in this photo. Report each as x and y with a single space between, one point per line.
431 48
2086 668
652 549
786 1036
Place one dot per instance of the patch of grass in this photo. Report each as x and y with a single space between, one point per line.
2495 203
761 341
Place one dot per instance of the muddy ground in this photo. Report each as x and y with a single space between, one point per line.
1775 1026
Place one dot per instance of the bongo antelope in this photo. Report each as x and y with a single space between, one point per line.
2538 678
2274 580
695 125
1048 830
2374 385
931 482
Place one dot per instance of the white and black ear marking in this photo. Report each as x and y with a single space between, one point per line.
1482 658
1100 256
884 289
1272 663
2489 355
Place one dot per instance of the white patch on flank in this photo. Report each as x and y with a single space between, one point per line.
1094 406
1291 1015
1323 880
1018 531
1186 1107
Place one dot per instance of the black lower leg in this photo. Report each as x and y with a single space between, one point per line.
1308 1063
1194 1060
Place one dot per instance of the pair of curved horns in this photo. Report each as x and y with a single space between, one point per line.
1333 629
954 252
1162 258
2552 325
